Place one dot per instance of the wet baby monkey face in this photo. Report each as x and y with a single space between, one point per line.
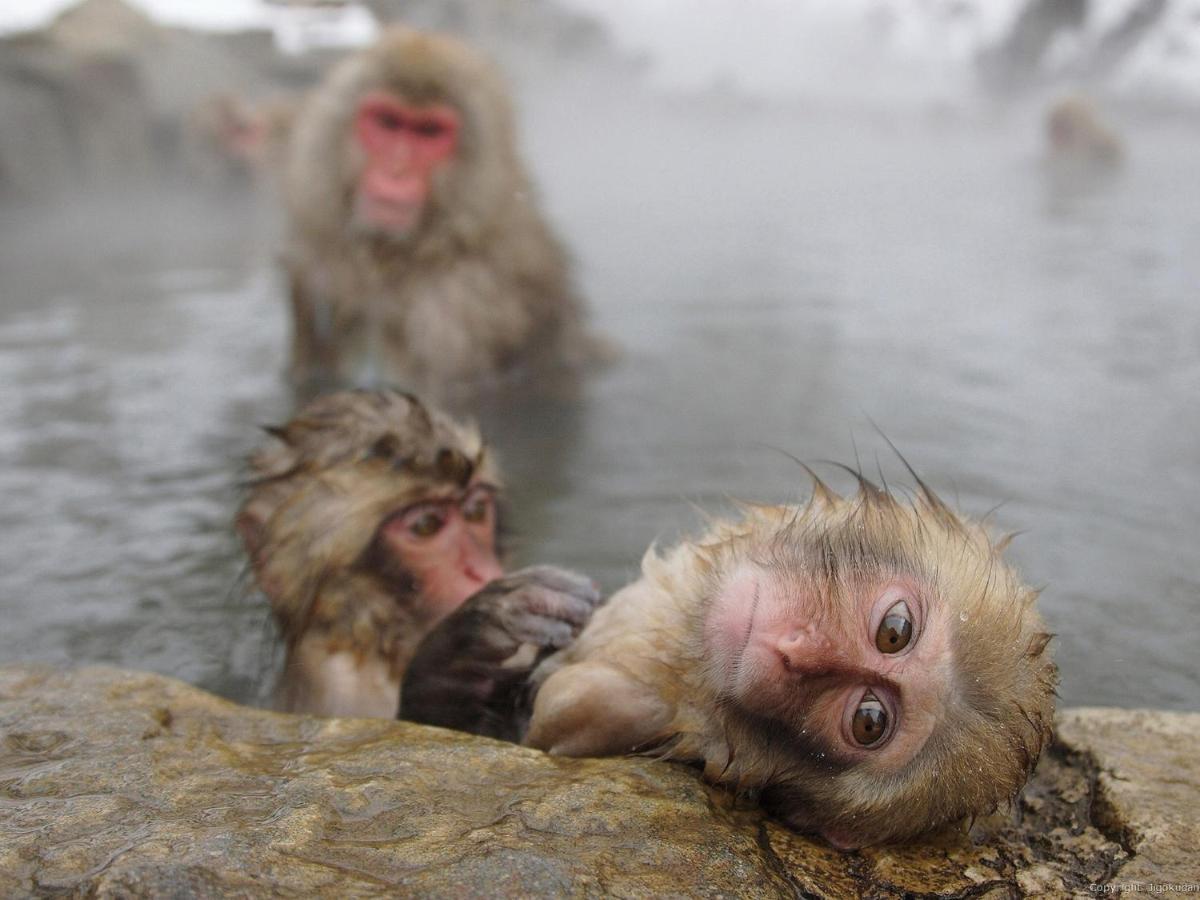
881 660
859 669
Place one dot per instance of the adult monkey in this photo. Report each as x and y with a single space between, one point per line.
871 668
370 518
417 253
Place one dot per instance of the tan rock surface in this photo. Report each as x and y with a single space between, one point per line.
122 784
1147 790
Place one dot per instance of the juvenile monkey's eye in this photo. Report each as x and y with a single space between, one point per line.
895 631
475 506
427 524
870 721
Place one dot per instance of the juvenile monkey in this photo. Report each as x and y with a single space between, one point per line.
418 255
369 519
870 668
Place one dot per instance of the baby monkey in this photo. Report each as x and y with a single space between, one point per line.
369 519
871 668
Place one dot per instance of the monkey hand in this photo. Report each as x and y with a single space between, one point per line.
471 671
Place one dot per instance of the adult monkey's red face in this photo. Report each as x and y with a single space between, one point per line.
403 146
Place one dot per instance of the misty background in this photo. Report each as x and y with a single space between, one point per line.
795 219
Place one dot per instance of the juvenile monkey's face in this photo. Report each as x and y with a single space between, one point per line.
446 543
858 671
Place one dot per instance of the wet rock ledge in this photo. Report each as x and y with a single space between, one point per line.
126 784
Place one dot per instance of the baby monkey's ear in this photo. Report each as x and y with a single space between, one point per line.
592 709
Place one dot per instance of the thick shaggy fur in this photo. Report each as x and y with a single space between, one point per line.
480 292
998 712
319 493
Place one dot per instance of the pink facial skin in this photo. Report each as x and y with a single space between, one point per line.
449 545
403 146
784 651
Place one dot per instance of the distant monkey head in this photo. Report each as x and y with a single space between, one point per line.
1075 131
1068 124
880 668
419 126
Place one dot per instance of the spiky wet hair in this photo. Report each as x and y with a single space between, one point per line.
342 465
998 706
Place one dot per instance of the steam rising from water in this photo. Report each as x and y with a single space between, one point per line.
894 50
832 49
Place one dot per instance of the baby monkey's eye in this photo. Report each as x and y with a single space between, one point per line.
895 631
870 721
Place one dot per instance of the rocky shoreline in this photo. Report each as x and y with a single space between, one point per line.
130 784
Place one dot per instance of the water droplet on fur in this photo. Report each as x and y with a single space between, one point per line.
962 617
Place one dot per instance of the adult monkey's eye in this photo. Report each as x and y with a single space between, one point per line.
870 721
429 128
389 120
427 524
895 631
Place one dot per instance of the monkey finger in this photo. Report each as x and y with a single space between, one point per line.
533 600
493 641
562 581
540 631
501 638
